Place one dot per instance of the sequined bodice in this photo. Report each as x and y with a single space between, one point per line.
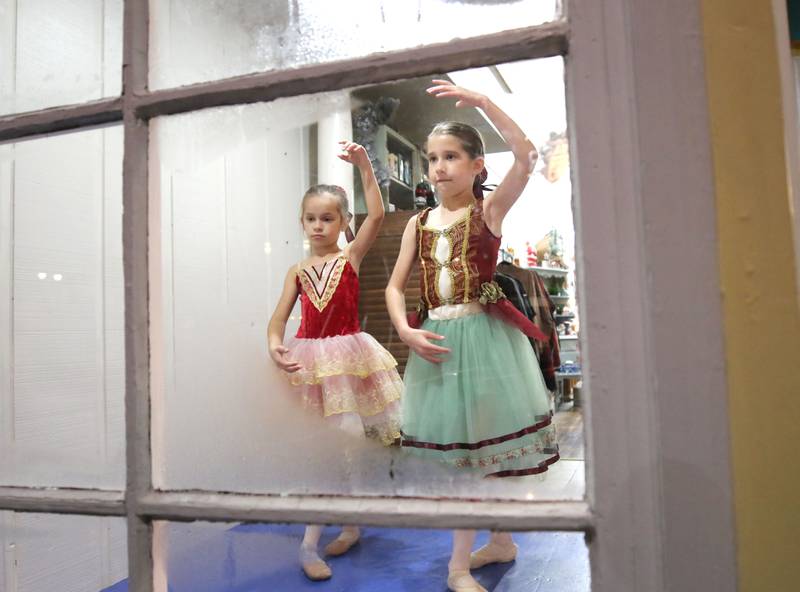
328 299
456 259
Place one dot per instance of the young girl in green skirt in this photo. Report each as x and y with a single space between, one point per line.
475 396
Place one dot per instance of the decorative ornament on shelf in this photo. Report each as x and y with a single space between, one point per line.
533 260
366 121
424 196
555 156
551 250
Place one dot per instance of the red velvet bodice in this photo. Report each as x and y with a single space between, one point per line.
328 299
471 265
472 260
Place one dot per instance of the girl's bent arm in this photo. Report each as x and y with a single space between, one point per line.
395 289
368 231
499 202
277 324
416 339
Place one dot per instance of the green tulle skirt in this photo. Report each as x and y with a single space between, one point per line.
486 407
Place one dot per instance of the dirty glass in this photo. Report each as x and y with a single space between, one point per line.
58 53
45 552
62 360
201 41
226 192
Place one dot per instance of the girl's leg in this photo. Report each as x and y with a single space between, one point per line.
459 578
462 545
314 567
346 539
499 549
501 538
311 536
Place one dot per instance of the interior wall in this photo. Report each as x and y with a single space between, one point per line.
45 552
62 356
62 353
758 286
227 254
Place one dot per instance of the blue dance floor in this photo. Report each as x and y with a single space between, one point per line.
263 558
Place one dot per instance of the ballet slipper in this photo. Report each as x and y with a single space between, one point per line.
492 553
460 580
317 570
341 544
314 567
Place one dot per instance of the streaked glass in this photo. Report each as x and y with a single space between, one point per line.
196 41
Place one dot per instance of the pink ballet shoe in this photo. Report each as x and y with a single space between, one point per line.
460 580
341 544
314 567
317 570
492 553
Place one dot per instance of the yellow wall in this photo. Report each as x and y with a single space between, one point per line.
760 303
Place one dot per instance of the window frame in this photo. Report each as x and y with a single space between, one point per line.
628 502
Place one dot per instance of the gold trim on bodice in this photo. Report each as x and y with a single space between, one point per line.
320 285
456 264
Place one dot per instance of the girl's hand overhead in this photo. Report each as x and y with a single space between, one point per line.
354 153
464 97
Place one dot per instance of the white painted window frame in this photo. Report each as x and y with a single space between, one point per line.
790 95
624 75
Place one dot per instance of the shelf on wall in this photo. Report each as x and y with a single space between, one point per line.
400 183
543 271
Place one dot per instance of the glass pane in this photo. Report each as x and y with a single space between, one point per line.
199 41
61 311
205 556
57 53
46 552
226 187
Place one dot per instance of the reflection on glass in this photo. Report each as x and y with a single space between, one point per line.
57 53
200 41
227 189
225 556
46 552
62 361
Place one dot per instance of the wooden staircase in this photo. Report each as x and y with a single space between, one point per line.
374 276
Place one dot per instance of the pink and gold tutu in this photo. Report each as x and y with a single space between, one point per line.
346 377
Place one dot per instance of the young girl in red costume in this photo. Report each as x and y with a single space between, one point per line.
338 372
475 397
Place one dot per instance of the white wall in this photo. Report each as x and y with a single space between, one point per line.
46 552
63 357
61 336
62 352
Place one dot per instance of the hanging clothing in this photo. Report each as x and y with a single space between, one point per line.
549 356
515 292
544 309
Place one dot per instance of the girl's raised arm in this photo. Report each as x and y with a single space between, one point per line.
277 324
357 155
499 202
